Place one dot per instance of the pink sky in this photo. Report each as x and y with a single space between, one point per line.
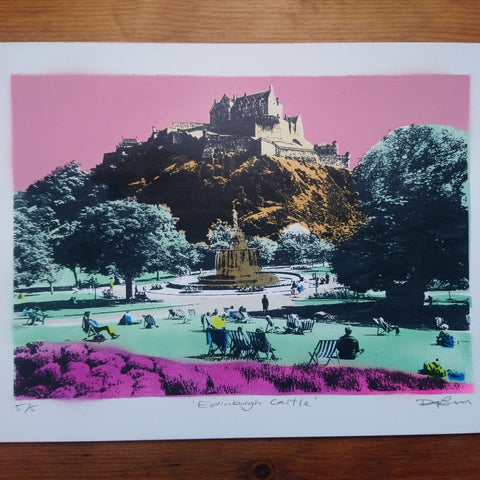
60 118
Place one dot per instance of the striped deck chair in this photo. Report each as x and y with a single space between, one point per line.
240 347
307 325
260 344
293 322
326 349
218 340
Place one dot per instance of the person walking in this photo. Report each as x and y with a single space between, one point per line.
265 303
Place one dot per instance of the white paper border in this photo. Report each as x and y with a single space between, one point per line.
179 418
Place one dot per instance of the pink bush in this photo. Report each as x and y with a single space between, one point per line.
81 371
143 363
49 374
75 352
76 371
146 384
64 393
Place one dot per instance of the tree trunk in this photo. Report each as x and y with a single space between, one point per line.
128 286
75 275
407 300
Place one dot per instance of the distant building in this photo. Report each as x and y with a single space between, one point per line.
252 124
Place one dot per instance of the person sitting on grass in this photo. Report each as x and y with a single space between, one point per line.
127 319
242 315
87 321
34 315
444 338
149 321
433 369
347 346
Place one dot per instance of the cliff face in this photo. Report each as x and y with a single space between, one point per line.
269 193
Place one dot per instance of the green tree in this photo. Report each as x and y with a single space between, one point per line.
54 203
266 249
317 250
126 238
413 187
220 235
177 255
297 244
65 191
33 255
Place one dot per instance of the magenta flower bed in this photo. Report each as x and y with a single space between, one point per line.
79 370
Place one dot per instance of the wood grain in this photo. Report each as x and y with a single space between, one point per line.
374 458
408 457
244 21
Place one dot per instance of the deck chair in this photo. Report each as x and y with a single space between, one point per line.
191 315
176 314
241 317
91 332
271 327
384 328
321 315
205 322
293 322
260 344
326 349
218 340
240 347
307 325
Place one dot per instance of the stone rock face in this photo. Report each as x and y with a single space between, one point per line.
270 193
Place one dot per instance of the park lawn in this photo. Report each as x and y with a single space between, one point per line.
186 342
64 279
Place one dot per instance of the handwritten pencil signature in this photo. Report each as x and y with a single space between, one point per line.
444 402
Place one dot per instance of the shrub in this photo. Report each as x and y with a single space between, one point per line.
76 370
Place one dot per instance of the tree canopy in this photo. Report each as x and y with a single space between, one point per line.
220 235
63 193
51 206
33 254
413 187
127 238
296 244
266 249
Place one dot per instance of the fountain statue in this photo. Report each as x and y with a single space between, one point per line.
238 265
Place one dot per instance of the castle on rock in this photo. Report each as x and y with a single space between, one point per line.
252 124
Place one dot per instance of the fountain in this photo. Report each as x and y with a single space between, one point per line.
237 266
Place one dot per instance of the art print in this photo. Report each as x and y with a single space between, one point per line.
232 242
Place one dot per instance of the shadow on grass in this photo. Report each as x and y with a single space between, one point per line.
56 305
361 313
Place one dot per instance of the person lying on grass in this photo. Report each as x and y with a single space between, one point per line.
127 319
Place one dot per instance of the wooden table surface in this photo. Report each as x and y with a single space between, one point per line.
408 457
